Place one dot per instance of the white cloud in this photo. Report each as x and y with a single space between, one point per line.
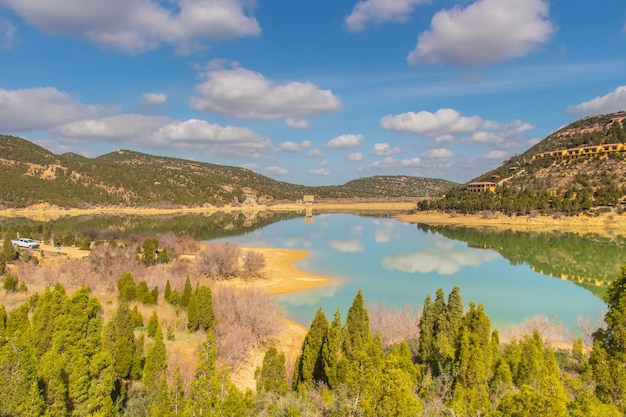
355 157
154 99
608 103
245 94
135 26
324 163
164 133
442 122
379 11
345 141
438 153
347 245
294 147
53 108
384 149
315 152
506 136
276 170
390 163
297 124
322 172
485 32
497 155
435 260
7 34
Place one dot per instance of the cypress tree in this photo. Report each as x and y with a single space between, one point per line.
156 361
126 287
333 359
167 292
17 321
153 324
309 366
206 314
193 314
272 376
3 325
186 295
357 328
609 348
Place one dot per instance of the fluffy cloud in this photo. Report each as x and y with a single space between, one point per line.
297 124
442 122
164 133
608 103
485 32
345 141
391 163
135 26
242 93
7 34
384 149
505 136
315 152
153 99
276 170
355 157
322 172
379 11
294 147
53 108
438 153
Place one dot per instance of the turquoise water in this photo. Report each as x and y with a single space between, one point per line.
399 264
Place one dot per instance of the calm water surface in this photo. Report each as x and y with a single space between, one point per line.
399 264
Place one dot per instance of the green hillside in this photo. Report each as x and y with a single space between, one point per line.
33 175
569 182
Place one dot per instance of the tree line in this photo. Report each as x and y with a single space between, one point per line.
61 358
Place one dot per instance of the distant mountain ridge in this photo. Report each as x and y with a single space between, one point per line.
33 175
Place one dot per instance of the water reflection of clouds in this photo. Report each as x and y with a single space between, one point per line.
356 229
347 245
435 260
295 241
384 232
312 296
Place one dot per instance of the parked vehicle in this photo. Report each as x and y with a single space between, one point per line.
25 243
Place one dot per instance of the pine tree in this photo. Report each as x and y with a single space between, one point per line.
126 287
162 405
17 321
150 248
156 361
333 359
167 292
20 395
272 376
186 295
357 327
153 324
609 348
3 325
309 367
193 314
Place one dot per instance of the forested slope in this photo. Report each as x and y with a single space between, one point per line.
33 175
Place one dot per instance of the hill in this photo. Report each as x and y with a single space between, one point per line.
580 166
33 175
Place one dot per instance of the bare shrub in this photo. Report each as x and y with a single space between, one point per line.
394 324
253 262
245 318
108 262
178 245
219 260
589 326
551 330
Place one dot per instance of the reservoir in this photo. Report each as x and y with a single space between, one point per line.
515 275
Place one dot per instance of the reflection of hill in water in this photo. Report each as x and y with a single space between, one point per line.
590 261
198 226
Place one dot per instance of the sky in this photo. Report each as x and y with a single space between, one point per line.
312 93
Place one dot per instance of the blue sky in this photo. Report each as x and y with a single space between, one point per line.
315 93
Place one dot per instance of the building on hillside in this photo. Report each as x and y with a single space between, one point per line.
481 186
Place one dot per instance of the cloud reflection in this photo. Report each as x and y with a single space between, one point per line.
347 245
312 296
436 260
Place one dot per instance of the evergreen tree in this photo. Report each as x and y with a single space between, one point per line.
186 295
334 362
272 376
150 246
17 321
126 287
167 292
609 348
156 361
20 395
3 325
153 324
309 366
119 338
48 307
162 405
